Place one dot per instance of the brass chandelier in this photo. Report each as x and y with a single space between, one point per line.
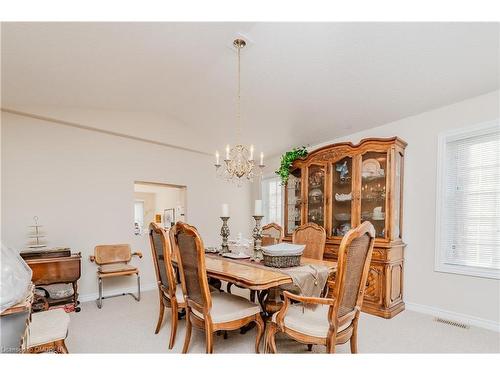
239 164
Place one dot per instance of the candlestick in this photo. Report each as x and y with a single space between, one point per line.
224 232
258 207
217 158
225 210
257 239
227 152
261 158
251 152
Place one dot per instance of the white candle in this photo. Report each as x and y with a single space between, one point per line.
258 208
227 152
251 152
225 210
261 158
216 157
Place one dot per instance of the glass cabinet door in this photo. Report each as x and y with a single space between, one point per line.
373 191
398 180
294 200
316 194
342 196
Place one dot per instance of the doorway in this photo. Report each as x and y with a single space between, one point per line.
163 204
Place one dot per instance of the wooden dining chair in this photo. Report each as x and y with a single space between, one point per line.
169 292
272 234
210 312
114 261
333 321
314 237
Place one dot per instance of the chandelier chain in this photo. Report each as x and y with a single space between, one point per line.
238 116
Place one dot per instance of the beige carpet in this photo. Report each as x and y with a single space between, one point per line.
126 326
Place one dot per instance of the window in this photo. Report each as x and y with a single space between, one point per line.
271 200
468 204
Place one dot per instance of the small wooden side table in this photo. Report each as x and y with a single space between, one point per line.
56 270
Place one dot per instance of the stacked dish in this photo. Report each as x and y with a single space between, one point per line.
343 197
371 169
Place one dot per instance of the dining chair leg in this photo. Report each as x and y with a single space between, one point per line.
138 288
271 343
330 346
99 300
260 329
60 347
209 341
354 337
160 317
173 329
187 338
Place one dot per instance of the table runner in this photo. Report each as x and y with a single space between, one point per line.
310 279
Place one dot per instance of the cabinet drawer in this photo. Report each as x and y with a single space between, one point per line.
332 253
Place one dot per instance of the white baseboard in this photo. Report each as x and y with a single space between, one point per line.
458 317
132 289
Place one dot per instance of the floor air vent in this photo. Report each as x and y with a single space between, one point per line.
452 323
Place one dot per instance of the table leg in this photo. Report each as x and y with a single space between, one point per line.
273 301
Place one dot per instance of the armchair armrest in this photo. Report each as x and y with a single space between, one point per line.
288 297
92 258
308 300
137 253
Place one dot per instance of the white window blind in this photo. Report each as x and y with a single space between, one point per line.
271 200
469 229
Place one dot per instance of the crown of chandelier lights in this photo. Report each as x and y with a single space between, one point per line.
239 164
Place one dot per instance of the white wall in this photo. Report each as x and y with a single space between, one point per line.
424 288
81 185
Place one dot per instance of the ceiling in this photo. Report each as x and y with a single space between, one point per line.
302 83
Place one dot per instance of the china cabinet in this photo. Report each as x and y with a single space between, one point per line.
341 185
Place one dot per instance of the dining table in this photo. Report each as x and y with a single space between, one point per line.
253 275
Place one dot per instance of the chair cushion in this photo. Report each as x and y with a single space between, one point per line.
48 326
179 294
308 321
228 307
116 267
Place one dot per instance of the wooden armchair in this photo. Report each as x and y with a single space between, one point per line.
209 312
335 320
314 237
113 261
272 233
170 293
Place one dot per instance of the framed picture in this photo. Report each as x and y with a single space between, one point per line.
169 217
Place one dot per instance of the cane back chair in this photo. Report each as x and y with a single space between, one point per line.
113 261
272 233
170 293
313 236
210 312
335 320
